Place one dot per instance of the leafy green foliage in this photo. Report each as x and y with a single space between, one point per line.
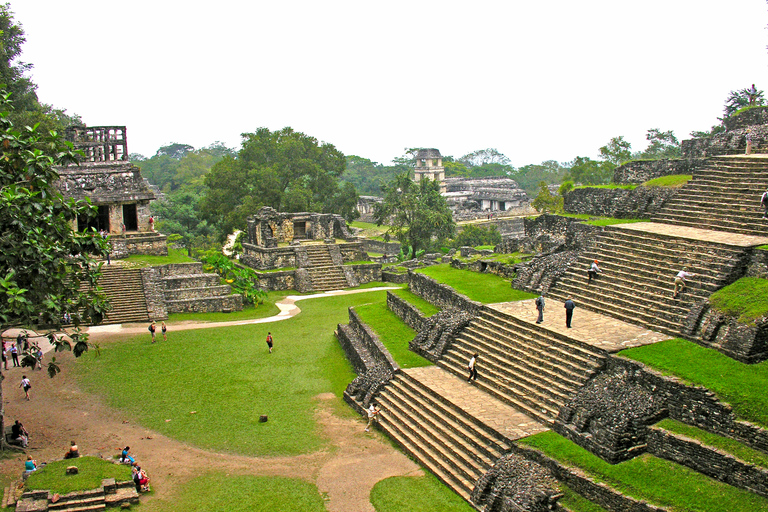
43 261
661 145
416 494
284 169
473 236
565 187
590 172
91 471
416 213
367 176
741 385
243 280
485 288
746 299
530 176
739 99
660 482
545 202
617 151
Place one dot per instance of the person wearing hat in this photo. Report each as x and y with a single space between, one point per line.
592 272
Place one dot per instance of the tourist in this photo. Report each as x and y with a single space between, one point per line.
19 434
39 357
125 457
26 385
269 341
151 223
372 411
540 307
764 204
30 465
73 452
5 357
15 355
152 330
141 479
471 366
593 271
749 142
164 329
569 307
680 281
752 94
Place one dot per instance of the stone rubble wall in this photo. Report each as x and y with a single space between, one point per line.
153 244
406 311
362 273
394 277
638 203
747 119
283 280
440 295
154 293
206 305
179 269
260 258
380 247
743 342
640 171
708 461
728 143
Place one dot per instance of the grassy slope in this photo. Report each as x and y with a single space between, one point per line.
746 299
393 333
485 288
227 377
659 481
174 256
92 471
741 385
415 494
427 308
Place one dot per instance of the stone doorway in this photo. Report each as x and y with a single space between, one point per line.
130 219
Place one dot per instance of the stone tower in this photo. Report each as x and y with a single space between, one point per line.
429 164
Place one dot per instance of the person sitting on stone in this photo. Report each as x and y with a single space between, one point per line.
19 434
140 479
125 457
73 452
30 465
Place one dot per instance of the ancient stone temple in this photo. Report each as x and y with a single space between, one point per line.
115 187
429 164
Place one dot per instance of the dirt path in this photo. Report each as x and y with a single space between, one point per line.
60 412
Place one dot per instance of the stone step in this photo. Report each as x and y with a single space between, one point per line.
694 223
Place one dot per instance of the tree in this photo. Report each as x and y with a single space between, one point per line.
617 151
739 99
416 212
661 145
482 157
545 202
529 176
43 261
590 172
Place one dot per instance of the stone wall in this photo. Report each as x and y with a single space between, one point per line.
639 203
508 227
442 296
153 244
154 293
758 264
747 119
350 252
271 281
394 277
640 171
728 143
708 461
406 311
747 343
362 273
504 270
225 303
380 247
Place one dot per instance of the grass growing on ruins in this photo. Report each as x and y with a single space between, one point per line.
186 388
249 312
427 308
242 493
576 502
91 471
485 288
658 481
627 186
416 494
392 332
741 385
145 260
600 221
674 180
746 299
735 448
508 258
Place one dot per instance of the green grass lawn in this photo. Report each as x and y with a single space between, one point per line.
746 299
658 481
263 310
174 256
393 333
427 308
735 448
674 180
485 288
416 494
215 492
208 387
741 385
600 221
91 471
629 186
508 258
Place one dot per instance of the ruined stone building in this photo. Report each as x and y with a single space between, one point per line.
115 187
429 164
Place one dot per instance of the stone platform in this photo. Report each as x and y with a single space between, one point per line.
600 331
703 235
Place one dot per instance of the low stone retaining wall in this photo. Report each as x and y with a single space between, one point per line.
748 118
638 203
260 258
394 277
728 143
154 293
282 280
362 346
351 251
442 296
123 246
179 269
492 267
362 273
380 247
641 171
206 305
406 311
708 461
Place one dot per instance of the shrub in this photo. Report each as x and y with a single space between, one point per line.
473 236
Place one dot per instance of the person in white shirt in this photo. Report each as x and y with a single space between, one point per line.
472 369
372 411
592 272
680 281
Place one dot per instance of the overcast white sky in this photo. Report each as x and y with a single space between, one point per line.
537 80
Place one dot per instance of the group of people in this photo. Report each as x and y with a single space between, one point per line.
140 478
20 346
31 465
153 329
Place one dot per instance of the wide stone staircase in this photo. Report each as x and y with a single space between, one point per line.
453 444
724 196
125 291
188 289
637 281
111 494
535 370
323 273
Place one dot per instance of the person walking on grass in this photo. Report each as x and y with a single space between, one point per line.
164 329
569 307
680 282
471 366
26 385
152 330
372 411
269 341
